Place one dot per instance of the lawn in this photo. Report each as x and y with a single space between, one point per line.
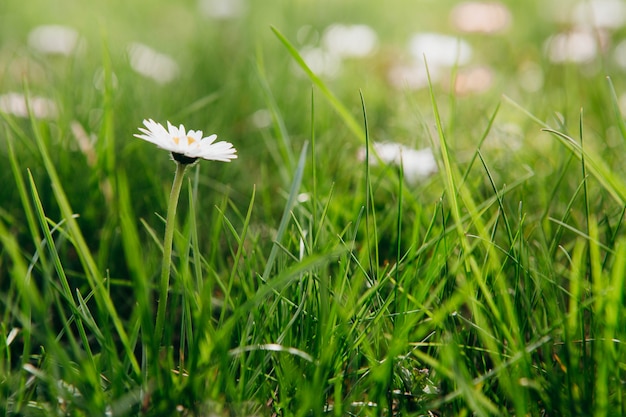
423 217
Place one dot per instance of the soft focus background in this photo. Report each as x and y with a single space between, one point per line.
215 65
500 71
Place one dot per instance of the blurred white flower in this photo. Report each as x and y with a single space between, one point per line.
439 50
412 76
85 142
620 54
349 40
606 14
474 80
417 164
481 16
222 9
337 43
152 64
622 103
15 104
186 146
321 62
577 46
261 118
304 197
54 39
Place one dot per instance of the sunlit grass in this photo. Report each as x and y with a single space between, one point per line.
308 277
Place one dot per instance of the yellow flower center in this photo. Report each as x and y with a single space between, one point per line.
190 140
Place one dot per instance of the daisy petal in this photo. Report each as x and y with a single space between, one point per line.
189 144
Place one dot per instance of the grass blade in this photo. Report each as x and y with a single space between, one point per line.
343 112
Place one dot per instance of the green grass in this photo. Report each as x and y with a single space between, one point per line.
305 281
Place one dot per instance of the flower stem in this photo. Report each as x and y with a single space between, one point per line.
167 251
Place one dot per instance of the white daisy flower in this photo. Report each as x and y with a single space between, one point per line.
152 64
186 146
417 164
17 105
